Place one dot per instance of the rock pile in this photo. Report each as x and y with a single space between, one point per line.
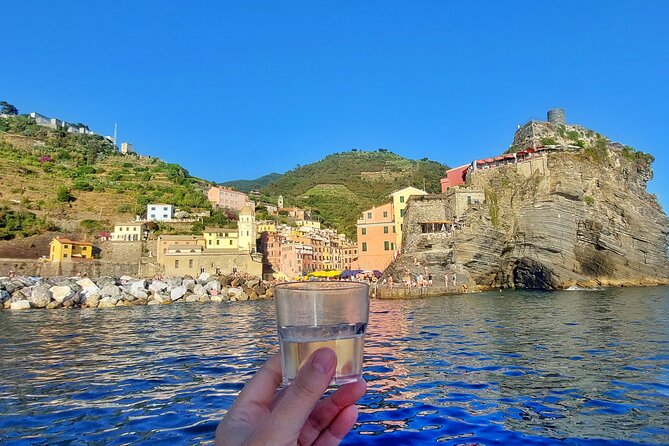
19 293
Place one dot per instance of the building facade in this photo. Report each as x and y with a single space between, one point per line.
128 232
224 197
65 249
159 212
247 229
400 199
454 177
376 238
126 148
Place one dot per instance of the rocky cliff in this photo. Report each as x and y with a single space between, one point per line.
575 215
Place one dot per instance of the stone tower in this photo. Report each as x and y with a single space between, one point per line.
280 202
556 116
247 228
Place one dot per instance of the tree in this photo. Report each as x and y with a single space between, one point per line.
63 195
8 109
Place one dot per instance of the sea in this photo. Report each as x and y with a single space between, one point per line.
506 367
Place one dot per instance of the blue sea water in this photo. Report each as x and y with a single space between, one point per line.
563 368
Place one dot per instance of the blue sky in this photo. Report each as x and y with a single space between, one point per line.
236 90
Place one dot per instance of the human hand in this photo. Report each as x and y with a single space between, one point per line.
293 416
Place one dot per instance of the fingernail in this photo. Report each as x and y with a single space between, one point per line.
324 360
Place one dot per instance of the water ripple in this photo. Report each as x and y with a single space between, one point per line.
494 368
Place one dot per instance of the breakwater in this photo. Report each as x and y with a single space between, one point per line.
24 292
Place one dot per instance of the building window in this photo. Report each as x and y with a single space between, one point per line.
364 246
385 229
218 242
209 242
401 199
65 246
393 229
65 256
190 263
385 214
231 242
153 208
363 231
469 199
201 269
176 264
386 245
402 211
369 215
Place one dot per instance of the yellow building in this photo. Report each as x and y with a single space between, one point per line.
221 238
400 199
65 249
266 226
128 232
308 224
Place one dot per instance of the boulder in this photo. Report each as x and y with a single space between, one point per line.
110 290
178 292
126 297
213 292
138 285
40 296
204 299
4 296
269 294
69 303
87 286
243 296
213 285
157 286
138 293
91 301
234 292
153 302
216 299
204 277
225 280
189 284
53 305
253 295
199 290
7 305
260 289
60 293
26 292
107 302
160 298
193 298
140 301
174 282
105 280
20 305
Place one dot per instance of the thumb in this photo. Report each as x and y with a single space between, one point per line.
301 396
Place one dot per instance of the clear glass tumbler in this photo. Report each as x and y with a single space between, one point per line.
316 314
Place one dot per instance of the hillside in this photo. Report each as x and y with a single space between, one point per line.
249 185
580 216
51 179
342 185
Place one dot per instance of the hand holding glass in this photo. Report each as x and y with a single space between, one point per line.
317 314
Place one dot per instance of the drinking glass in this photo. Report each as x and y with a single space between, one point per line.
316 314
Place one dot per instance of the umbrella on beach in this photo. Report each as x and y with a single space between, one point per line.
350 273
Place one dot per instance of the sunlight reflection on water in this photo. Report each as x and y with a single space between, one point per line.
492 368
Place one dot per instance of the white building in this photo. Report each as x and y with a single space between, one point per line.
247 229
126 148
128 232
159 212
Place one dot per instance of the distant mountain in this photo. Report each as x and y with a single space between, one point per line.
249 185
342 185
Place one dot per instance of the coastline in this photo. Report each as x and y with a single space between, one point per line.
24 292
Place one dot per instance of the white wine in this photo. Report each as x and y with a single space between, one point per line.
346 340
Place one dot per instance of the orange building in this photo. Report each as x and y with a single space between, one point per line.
376 238
224 197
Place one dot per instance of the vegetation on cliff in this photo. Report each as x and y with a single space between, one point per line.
340 186
64 177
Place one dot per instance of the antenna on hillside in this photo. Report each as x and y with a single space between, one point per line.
115 129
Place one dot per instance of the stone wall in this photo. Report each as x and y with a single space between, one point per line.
90 268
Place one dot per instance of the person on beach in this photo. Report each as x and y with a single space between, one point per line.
295 415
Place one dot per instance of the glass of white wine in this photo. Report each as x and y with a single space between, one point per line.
316 314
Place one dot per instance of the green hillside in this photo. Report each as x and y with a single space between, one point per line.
342 185
53 179
249 185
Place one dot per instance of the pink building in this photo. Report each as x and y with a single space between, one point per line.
454 177
224 197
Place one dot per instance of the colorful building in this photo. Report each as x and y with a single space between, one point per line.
128 232
221 238
400 199
224 197
376 237
454 177
65 249
159 212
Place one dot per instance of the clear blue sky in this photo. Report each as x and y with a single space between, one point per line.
240 89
